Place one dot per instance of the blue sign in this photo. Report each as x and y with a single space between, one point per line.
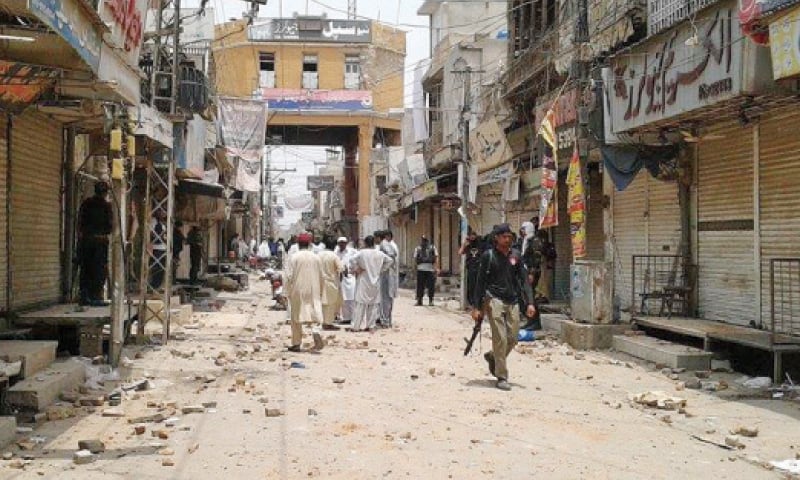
68 19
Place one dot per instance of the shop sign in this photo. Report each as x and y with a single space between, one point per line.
68 19
488 146
311 30
784 45
127 19
426 190
498 174
22 84
668 76
320 183
301 99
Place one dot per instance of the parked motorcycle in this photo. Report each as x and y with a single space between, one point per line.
278 292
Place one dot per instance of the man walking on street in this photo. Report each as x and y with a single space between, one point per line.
501 282
195 242
389 279
304 286
94 227
348 285
426 258
332 269
368 264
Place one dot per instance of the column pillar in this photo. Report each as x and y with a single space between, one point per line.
365 134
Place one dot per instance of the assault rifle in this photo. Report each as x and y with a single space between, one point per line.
476 330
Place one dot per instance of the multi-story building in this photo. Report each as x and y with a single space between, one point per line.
326 82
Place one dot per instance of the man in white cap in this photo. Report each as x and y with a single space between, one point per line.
348 285
305 287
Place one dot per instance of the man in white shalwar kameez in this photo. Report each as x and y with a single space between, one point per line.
345 253
389 279
332 269
305 289
368 264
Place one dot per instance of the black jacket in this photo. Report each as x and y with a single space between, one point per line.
502 277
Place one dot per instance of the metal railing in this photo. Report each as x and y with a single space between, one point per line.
784 287
661 285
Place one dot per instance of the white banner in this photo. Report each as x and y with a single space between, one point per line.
243 124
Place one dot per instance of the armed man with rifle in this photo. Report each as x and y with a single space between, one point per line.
500 285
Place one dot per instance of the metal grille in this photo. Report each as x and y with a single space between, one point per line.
784 275
661 285
662 14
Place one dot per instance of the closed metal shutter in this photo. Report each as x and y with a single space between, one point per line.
563 242
36 204
779 173
3 218
629 237
726 286
646 222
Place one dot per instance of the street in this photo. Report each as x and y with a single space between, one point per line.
399 403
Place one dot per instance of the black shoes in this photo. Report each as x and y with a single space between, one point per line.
294 348
419 303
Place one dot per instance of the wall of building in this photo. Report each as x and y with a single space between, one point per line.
467 18
236 67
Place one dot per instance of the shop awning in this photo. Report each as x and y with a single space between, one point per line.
623 163
198 187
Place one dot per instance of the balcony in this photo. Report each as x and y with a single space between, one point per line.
193 88
532 61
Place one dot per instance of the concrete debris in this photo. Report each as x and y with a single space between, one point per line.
114 412
745 431
713 386
693 384
734 441
338 379
193 448
273 412
155 418
166 452
789 466
8 455
660 400
721 366
160 433
209 404
59 412
578 356
702 374
94 446
93 401
167 462
192 409
139 429
312 412
82 457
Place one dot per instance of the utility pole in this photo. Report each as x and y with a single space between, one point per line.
351 9
463 173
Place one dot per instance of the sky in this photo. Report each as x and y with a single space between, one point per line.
399 13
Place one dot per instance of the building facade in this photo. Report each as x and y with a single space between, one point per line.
326 82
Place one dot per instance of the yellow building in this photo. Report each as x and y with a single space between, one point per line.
327 82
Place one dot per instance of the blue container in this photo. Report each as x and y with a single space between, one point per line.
526 336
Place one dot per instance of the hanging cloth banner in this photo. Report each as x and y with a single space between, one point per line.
576 206
243 125
548 208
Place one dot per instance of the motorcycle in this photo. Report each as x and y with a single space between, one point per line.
278 294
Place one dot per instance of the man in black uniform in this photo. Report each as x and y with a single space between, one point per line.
501 282
195 242
94 226
472 248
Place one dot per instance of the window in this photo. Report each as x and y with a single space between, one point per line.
310 73
352 72
266 70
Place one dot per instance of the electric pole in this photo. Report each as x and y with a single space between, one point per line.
463 168
351 9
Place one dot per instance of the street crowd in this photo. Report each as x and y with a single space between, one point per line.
358 286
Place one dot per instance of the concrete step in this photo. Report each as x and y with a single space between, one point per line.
40 391
8 430
673 355
35 355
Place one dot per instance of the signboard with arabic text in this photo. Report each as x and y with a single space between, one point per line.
784 44
311 30
301 99
665 77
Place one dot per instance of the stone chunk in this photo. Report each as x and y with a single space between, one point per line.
92 401
338 379
114 412
273 412
82 457
746 431
734 441
155 418
193 409
161 433
94 446
167 462
139 429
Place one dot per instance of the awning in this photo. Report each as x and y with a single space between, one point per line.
198 187
152 124
623 163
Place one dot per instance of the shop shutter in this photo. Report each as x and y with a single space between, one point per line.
779 173
629 237
36 205
563 242
663 217
726 275
3 219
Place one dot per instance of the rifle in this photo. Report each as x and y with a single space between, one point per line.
476 330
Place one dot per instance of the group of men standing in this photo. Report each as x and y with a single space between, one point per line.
358 286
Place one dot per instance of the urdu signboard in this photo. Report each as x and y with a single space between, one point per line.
69 20
320 183
672 74
305 29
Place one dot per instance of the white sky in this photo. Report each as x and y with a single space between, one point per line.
400 13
